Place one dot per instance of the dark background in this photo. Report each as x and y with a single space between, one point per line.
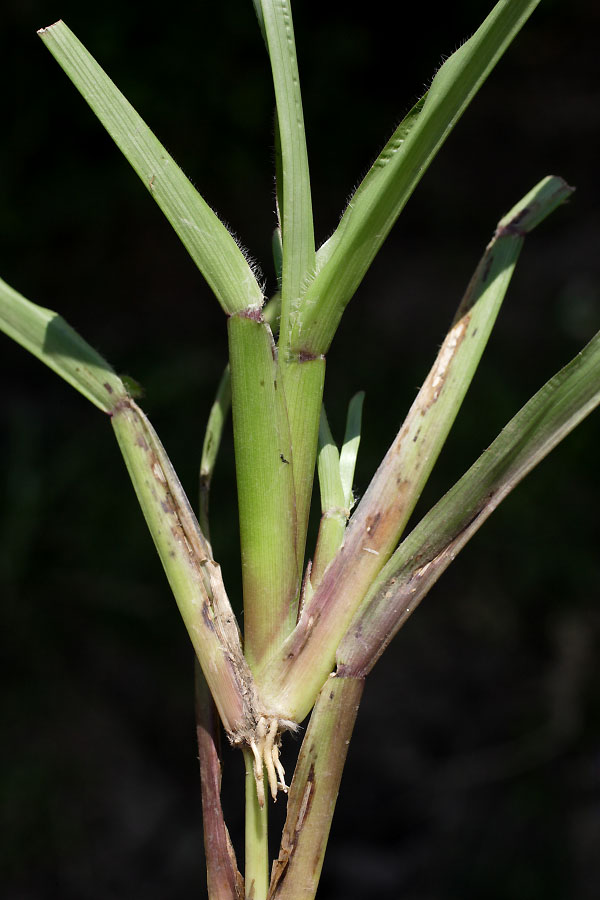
475 766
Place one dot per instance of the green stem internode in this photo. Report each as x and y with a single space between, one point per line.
256 870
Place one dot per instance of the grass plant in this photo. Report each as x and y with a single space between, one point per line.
315 622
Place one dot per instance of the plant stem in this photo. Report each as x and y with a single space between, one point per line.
256 875
314 790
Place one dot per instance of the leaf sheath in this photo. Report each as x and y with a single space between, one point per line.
195 578
265 480
300 668
541 424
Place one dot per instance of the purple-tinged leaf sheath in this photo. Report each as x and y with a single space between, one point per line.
298 671
430 548
224 881
314 790
195 578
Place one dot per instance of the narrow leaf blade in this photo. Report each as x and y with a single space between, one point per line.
349 451
345 258
295 204
334 515
330 482
46 334
204 236
212 442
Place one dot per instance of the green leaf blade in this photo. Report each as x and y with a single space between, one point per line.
334 515
349 451
46 335
211 444
345 258
204 236
336 474
330 480
294 194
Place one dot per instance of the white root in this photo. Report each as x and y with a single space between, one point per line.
258 773
268 757
265 749
280 771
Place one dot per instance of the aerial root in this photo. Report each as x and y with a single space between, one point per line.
265 749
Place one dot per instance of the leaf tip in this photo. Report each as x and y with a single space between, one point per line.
43 31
